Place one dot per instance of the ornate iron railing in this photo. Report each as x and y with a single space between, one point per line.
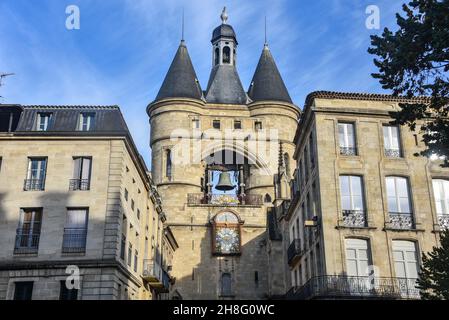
392 153
348 151
79 184
401 221
74 240
350 287
443 221
33 184
354 218
294 250
26 241
224 199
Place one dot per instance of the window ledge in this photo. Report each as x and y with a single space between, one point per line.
402 230
356 228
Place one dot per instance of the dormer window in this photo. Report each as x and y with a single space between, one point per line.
86 121
43 121
226 55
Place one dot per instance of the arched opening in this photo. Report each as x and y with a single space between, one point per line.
226 284
267 198
217 56
226 234
226 55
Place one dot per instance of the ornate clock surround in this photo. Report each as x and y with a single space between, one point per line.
226 226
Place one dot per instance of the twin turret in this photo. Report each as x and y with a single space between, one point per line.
224 85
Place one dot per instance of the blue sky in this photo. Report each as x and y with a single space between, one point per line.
123 49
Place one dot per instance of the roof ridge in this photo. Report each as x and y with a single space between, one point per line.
34 106
360 95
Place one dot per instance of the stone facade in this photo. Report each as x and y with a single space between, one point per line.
116 170
322 250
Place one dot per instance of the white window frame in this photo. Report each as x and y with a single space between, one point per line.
346 142
390 139
441 195
351 193
46 116
396 195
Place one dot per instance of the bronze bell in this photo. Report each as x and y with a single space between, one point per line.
224 183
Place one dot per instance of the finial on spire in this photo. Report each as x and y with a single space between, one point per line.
224 16
182 29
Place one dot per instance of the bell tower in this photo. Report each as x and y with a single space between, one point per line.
224 43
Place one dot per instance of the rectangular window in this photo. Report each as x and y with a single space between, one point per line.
352 201
398 195
195 124
43 121
37 168
358 258
258 125
136 260
130 254
168 163
237 124
392 141
87 121
66 293
123 247
75 231
216 124
346 137
441 194
405 259
81 173
23 290
28 231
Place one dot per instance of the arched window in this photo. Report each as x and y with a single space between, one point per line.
226 54
287 164
217 56
226 284
168 164
267 198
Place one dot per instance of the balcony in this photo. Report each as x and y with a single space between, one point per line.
348 151
156 276
224 199
26 242
74 240
294 251
443 221
354 218
349 287
401 221
392 153
33 185
79 184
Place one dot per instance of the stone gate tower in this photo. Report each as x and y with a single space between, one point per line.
216 155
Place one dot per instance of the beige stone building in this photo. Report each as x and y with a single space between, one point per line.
77 204
363 207
214 161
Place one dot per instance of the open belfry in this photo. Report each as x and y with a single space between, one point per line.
220 157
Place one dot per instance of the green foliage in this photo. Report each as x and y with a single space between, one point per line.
434 275
414 61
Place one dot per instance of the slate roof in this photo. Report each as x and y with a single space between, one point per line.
267 83
65 119
224 86
181 80
224 30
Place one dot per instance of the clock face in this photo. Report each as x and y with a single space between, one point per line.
227 240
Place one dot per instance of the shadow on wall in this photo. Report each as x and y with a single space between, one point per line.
219 277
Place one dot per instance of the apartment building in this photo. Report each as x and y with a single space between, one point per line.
363 207
79 215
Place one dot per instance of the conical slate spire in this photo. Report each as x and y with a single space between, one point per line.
181 80
224 86
267 83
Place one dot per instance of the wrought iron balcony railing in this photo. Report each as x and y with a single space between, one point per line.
354 218
79 184
392 153
33 185
26 242
350 287
74 240
348 151
443 221
402 221
224 199
294 251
